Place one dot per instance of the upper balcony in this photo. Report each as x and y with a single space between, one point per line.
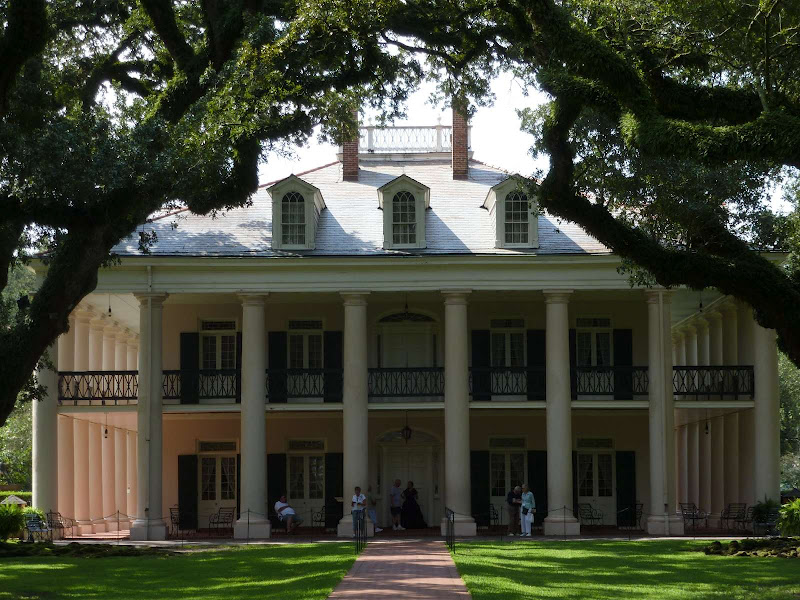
412 384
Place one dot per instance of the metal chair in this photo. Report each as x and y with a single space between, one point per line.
36 527
731 513
589 515
745 520
692 515
222 519
174 520
56 522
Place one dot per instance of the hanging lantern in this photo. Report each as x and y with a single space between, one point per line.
406 431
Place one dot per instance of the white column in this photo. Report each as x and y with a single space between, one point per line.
66 348
96 477
81 470
704 465
355 415
703 342
731 460
690 341
715 338
81 355
456 413
121 476
693 459
683 466
109 479
131 473
730 334
253 524
662 518
149 523
66 468
766 416
110 332
559 521
747 465
717 474
133 355
45 438
121 351
96 327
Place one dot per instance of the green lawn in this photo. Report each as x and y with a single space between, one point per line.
603 569
285 572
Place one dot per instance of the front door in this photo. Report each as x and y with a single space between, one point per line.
596 483
409 464
506 471
406 346
217 485
306 485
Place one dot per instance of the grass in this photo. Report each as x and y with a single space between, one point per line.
604 569
285 572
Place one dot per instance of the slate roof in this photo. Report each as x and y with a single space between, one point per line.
352 223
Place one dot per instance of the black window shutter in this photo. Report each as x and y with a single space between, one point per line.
276 340
537 481
574 485
481 360
573 361
238 366
276 483
190 367
626 488
332 361
187 491
334 487
536 363
623 357
479 486
239 486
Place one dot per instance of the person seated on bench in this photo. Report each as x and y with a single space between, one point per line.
286 515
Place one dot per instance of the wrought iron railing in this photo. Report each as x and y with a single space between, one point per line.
172 385
620 382
507 381
406 382
283 384
450 531
108 387
713 381
203 384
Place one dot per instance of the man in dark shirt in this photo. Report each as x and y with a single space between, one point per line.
513 502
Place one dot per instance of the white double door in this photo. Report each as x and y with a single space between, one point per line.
409 463
306 485
596 483
407 346
507 469
217 485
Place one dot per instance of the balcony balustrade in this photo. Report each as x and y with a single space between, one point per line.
398 384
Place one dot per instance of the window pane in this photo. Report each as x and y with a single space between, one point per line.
603 349
316 477
228 349
604 475
314 351
208 483
293 217
228 478
517 469
404 219
209 352
584 343
295 351
516 224
498 474
585 474
498 349
296 478
517 349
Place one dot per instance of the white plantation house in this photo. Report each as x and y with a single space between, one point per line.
404 312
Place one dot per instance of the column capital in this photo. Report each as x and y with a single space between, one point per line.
653 295
112 329
356 298
687 329
252 298
700 324
728 307
156 297
713 316
98 322
556 296
455 296
83 314
677 336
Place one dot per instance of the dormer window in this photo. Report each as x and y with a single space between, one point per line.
404 201
296 207
513 215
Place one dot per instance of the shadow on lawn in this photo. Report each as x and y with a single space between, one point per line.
609 570
295 572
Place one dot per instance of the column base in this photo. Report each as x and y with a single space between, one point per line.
345 527
84 528
254 530
556 526
111 525
463 527
143 531
659 525
99 526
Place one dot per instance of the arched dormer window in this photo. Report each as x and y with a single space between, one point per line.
404 201
514 215
516 219
296 206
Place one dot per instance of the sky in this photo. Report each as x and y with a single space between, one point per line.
496 136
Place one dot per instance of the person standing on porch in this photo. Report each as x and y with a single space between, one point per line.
357 507
396 505
372 510
526 510
513 503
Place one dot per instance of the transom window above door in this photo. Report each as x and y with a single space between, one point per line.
305 344
508 342
217 344
593 340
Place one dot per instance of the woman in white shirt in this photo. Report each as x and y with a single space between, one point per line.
357 508
526 511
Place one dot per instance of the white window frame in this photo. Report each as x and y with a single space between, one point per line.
386 195
305 454
313 206
218 334
594 331
507 331
495 203
293 194
305 333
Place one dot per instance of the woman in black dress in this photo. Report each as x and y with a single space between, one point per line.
411 514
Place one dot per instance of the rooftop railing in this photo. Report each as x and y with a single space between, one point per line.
432 138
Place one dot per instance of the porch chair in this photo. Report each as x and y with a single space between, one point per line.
222 519
768 523
692 515
589 515
745 520
494 516
318 518
36 527
732 512
174 521
58 523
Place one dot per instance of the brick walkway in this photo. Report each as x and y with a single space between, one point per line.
421 570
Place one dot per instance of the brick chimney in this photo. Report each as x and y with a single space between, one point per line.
460 139
350 155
